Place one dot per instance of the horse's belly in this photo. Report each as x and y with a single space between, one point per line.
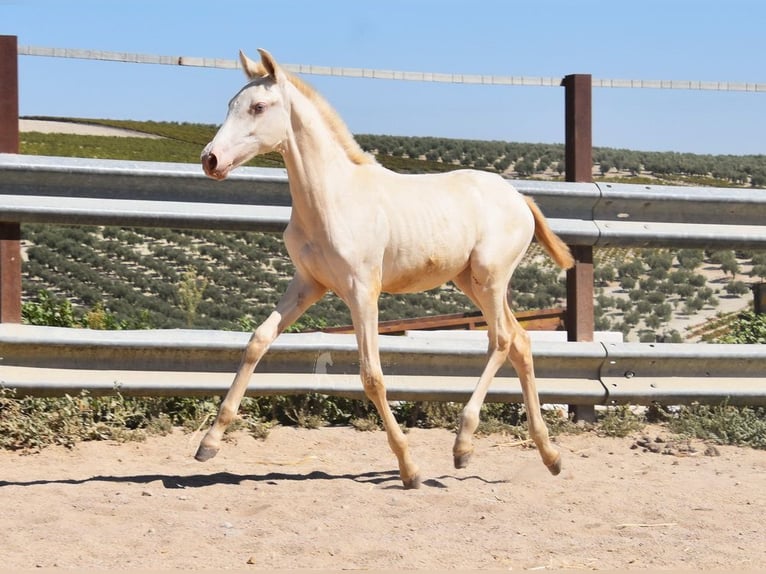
427 249
428 273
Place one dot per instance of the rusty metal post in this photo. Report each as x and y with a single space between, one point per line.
579 140
579 167
10 232
9 95
759 298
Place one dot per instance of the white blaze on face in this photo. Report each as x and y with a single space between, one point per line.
256 123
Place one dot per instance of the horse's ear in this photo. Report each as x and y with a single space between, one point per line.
252 69
270 65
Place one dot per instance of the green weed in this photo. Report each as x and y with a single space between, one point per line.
724 424
620 421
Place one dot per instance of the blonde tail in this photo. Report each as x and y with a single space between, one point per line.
556 248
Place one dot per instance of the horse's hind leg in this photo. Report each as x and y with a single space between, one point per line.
507 339
490 301
521 358
469 417
300 295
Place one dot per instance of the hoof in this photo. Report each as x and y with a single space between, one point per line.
205 453
412 483
555 466
462 460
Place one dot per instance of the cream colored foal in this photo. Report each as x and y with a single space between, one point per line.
359 229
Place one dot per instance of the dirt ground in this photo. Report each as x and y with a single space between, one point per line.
331 499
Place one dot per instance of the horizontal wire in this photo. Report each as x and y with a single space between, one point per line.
437 77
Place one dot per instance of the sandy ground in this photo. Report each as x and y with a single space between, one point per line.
54 127
331 498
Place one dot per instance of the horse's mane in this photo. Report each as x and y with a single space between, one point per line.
337 126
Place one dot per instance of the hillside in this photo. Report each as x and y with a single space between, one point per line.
166 278
182 142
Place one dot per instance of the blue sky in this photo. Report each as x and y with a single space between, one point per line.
722 40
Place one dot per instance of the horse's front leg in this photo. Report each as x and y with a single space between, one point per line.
364 312
300 295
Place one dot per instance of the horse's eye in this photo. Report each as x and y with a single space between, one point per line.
257 108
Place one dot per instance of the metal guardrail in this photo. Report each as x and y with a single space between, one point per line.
107 192
130 193
627 215
51 361
685 373
141 194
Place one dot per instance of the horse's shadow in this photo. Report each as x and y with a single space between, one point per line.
176 481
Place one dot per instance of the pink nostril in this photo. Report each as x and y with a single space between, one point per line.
210 162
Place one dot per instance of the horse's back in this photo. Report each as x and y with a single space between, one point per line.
466 188
436 223
482 199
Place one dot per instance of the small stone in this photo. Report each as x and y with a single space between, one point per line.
252 560
712 451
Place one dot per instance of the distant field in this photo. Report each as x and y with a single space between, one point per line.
183 142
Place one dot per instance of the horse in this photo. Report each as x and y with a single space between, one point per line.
358 229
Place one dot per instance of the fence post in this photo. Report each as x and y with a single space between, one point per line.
579 166
759 298
10 232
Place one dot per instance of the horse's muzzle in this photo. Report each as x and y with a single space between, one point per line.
210 165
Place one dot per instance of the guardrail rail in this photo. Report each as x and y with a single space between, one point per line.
53 361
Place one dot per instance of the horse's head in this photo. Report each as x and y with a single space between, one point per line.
257 121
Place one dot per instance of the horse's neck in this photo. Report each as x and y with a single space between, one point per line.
316 162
